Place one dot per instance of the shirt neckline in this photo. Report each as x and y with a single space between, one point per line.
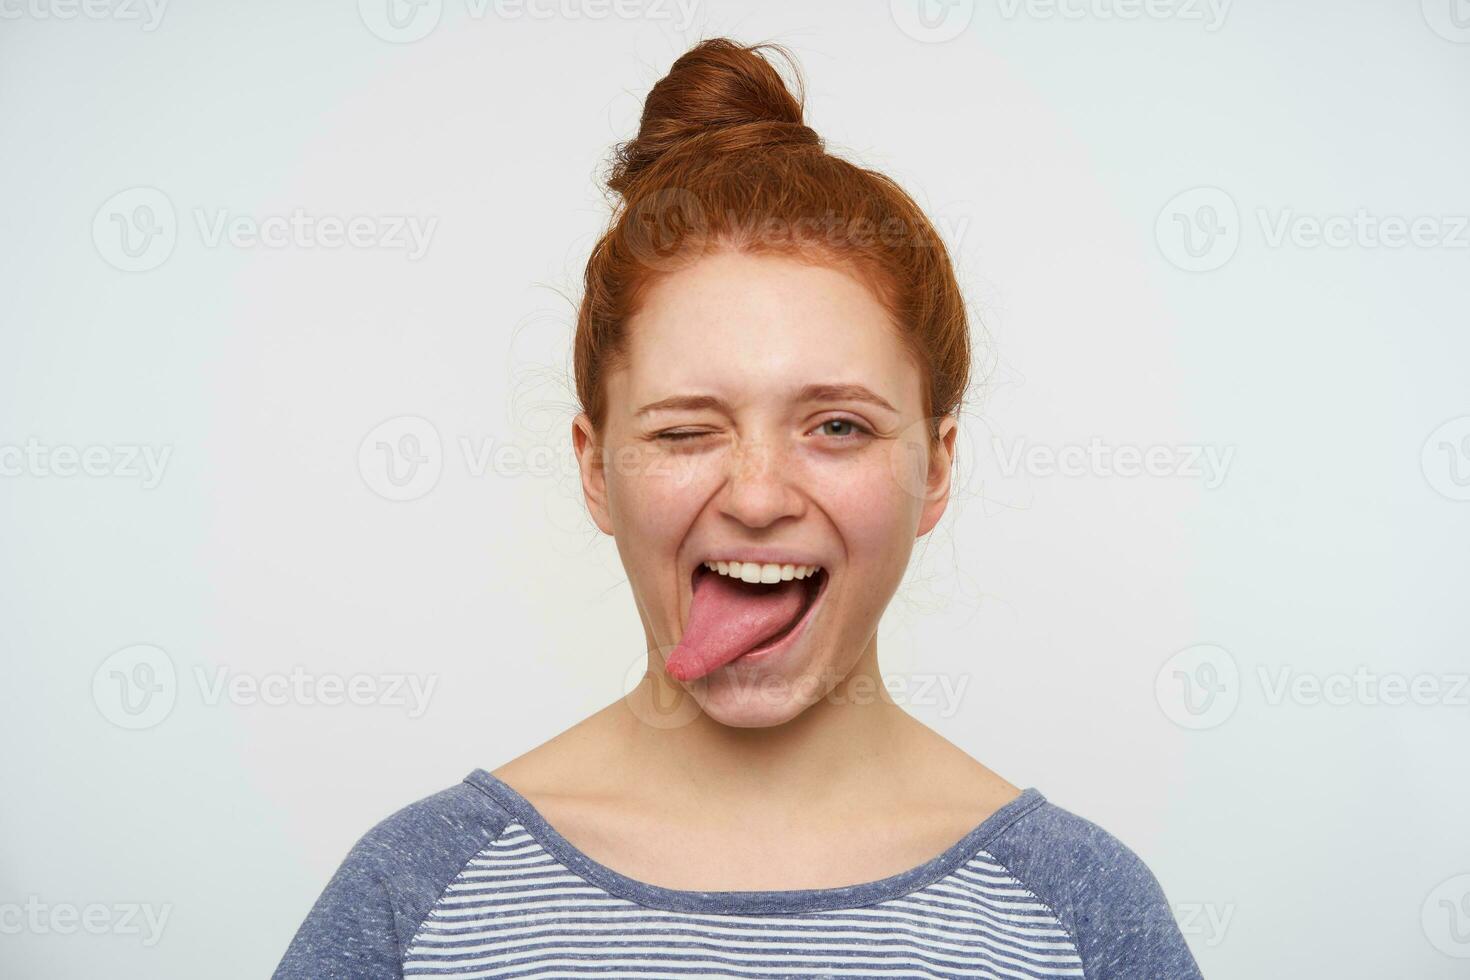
751 901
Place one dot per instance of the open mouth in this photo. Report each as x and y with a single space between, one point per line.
812 588
734 616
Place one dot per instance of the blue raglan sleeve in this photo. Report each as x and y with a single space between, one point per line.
351 929
1102 892
363 921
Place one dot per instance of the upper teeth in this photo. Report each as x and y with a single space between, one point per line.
749 571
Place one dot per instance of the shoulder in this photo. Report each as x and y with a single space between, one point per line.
1102 892
388 882
426 836
1060 848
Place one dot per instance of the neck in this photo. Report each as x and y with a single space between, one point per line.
845 746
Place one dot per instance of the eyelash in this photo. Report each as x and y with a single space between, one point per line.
673 436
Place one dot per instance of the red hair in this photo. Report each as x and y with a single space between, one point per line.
723 160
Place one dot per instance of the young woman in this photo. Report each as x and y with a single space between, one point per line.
770 353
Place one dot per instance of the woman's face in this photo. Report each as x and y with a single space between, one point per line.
768 412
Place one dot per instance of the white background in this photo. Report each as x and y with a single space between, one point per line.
1296 837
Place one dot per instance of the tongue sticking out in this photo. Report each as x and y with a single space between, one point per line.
729 617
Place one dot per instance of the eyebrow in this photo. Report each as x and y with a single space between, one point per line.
810 393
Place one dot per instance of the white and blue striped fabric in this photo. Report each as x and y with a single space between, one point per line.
474 883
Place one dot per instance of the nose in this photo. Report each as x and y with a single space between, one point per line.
758 488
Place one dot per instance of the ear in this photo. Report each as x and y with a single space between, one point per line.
594 473
937 479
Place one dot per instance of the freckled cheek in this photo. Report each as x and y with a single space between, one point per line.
876 520
657 496
861 485
651 516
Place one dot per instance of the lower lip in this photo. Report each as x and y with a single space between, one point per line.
762 656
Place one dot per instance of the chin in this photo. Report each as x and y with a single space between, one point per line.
750 709
757 700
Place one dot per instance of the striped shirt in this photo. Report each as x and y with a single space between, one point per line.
473 882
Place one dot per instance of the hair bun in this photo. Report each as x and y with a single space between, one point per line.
720 97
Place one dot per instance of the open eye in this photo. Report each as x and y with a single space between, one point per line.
848 428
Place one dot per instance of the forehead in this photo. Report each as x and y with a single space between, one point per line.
743 324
